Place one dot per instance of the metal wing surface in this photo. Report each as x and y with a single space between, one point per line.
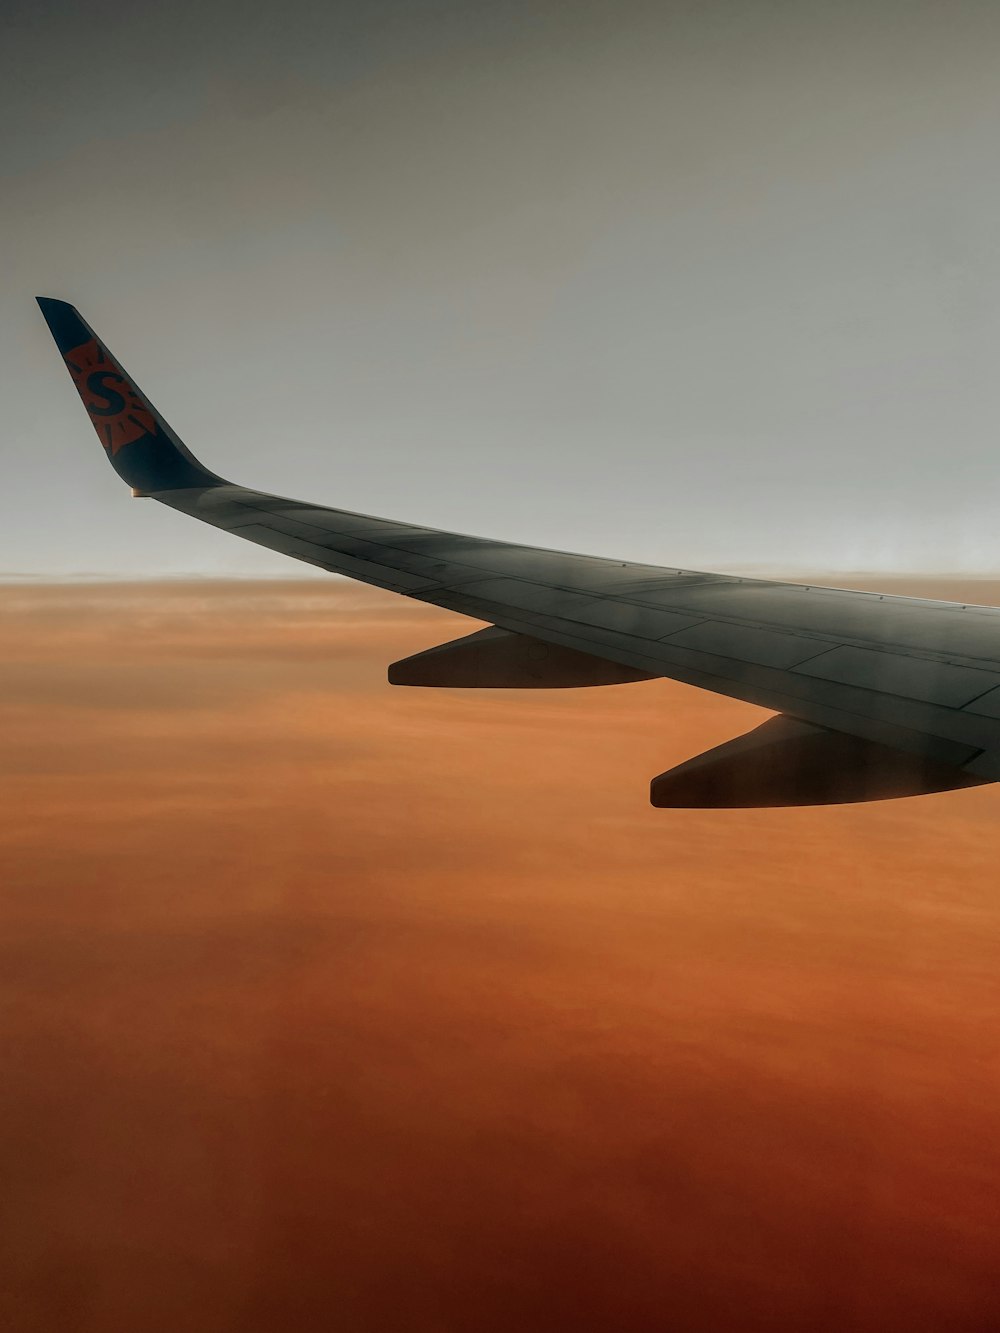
920 677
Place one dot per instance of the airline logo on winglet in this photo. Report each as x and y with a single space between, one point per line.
118 413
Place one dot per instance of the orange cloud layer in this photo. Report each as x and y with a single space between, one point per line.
329 1006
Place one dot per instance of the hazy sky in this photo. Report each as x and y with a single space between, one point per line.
714 283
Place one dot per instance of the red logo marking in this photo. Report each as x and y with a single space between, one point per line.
118 413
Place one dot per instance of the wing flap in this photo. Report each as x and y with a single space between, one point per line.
886 672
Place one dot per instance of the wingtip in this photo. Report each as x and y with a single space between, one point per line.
65 322
56 312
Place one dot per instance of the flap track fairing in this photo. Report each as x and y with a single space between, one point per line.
788 762
499 659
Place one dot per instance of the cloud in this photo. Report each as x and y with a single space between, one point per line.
334 1006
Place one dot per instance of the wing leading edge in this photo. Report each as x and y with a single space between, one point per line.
919 677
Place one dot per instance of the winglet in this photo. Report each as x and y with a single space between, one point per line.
142 448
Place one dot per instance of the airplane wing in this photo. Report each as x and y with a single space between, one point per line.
877 695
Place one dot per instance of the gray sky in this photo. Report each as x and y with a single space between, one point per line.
707 283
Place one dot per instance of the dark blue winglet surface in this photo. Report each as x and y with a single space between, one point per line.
142 448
